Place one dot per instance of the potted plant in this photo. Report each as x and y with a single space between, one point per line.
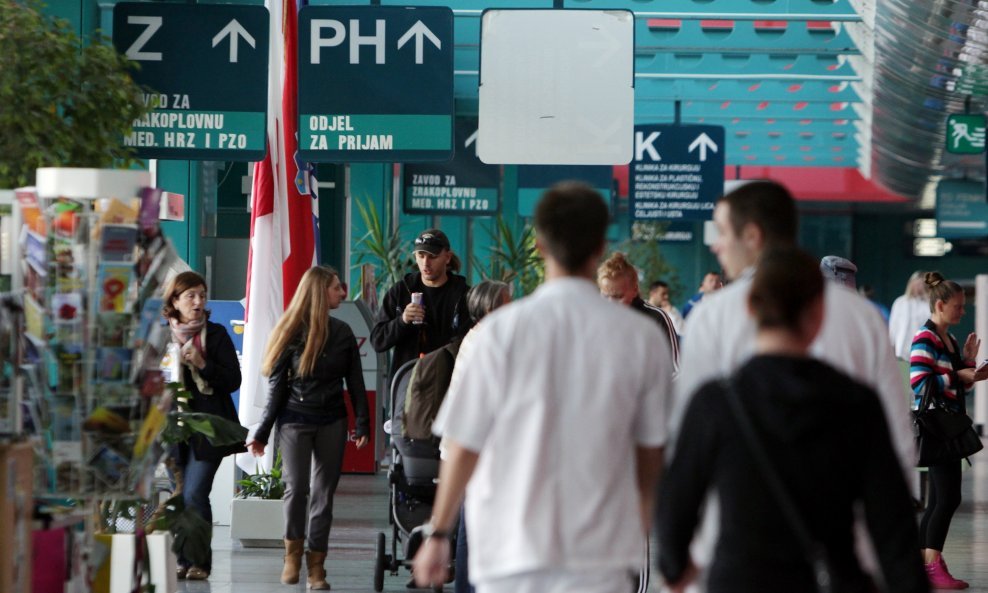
66 101
383 244
257 518
513 258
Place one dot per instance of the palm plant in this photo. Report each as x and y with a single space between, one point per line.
513 257
381 244
266 485
643 251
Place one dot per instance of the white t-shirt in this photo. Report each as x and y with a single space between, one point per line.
905 319
555 392
720 337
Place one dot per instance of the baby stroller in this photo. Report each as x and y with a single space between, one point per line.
412 482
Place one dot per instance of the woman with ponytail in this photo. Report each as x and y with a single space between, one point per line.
937 364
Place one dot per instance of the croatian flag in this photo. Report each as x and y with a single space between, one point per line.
283 223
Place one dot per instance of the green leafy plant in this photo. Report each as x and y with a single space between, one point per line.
381 246
512 257
65 101
642 249
191 532
266 485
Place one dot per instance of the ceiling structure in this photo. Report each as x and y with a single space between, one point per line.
932 64
791 81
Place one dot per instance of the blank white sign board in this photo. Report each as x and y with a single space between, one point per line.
556 87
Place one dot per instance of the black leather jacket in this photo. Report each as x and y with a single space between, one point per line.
319 394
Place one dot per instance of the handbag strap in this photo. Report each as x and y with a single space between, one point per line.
927 401
813 549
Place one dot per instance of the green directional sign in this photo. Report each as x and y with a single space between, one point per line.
463 186
206 66
962 210
966 133
375 83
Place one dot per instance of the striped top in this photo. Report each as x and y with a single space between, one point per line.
929 360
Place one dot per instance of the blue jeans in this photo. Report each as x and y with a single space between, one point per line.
198 481
461 583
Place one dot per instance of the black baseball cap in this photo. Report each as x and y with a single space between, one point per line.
431 241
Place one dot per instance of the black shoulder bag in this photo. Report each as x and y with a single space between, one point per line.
942 435
813 549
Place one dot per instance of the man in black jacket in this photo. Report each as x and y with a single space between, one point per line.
414 329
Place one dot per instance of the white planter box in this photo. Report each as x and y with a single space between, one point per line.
257 523
120 575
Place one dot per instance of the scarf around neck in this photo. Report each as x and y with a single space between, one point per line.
194 331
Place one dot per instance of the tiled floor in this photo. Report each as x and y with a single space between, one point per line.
361 511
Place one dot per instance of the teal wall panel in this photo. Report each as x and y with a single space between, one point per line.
178 177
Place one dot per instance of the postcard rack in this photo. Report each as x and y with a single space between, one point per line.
90 256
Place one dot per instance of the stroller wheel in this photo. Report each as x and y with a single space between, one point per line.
379 561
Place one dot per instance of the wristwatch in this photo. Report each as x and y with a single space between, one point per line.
428 530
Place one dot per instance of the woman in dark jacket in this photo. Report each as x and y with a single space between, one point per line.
210 371
308 357
824 435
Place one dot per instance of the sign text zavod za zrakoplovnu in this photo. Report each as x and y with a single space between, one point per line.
677 172
207 66
375 83
465 185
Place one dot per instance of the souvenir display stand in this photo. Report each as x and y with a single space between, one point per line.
90 254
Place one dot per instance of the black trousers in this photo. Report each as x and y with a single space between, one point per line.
944 498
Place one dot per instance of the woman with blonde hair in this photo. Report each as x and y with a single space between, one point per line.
909 312
945 372
308 357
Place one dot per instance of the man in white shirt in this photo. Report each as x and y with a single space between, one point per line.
720 334
557 421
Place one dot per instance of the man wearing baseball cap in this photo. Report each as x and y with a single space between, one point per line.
413 329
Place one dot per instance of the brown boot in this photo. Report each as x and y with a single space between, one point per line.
317 572
293 561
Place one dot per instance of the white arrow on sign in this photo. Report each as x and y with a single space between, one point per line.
419 31
704 142
233 29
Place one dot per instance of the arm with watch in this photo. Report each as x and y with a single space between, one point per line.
431 564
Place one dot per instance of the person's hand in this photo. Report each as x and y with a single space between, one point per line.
256 448
413 313
361 442
980 375
191 356
689 575
431 564
971 346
